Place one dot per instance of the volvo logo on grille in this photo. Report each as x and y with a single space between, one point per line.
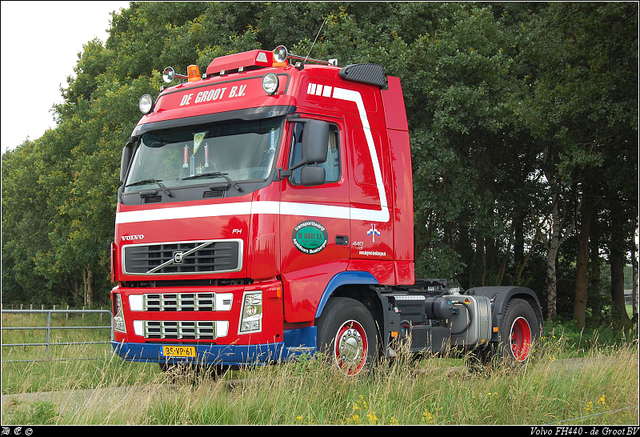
177 257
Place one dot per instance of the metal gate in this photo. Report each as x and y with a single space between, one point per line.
48 328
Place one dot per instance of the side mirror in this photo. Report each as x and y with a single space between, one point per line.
312 176
315 140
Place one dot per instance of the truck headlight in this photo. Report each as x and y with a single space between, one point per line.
251 315
118 318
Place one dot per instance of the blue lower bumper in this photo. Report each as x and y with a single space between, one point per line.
296 342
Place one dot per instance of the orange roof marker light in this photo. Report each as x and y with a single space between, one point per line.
193 72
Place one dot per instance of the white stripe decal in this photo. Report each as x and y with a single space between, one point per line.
283 208
184 212
243 208
383 214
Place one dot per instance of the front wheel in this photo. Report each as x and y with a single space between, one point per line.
348 334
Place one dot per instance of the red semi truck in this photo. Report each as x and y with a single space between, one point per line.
266 211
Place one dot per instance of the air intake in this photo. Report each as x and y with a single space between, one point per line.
183 258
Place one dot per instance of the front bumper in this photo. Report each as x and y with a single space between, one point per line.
205 354
296 342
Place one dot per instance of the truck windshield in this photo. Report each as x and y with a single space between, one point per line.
237 151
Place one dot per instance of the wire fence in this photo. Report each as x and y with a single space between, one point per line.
48 328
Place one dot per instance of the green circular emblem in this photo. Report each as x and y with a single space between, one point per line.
309 237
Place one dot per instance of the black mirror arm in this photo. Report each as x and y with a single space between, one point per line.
283 174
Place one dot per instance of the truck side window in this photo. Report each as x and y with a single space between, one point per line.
331 165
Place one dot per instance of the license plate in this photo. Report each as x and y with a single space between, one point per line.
179 351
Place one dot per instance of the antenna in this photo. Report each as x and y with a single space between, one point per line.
314 41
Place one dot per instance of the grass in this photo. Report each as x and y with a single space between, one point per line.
575 378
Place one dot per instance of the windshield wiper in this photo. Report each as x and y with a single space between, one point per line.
216 174
151 181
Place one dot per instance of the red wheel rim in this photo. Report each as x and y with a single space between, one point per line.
520 339
351 347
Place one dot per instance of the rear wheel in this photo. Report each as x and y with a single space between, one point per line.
347 333
520 329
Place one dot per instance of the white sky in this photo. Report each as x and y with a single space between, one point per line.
40 45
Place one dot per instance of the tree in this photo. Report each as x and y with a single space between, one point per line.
522 117
465 146
583 100
25 214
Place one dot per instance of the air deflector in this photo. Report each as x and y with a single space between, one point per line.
365 73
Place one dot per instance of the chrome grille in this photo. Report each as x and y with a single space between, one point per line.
180 330
183 257
186 302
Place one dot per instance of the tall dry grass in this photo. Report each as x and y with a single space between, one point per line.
598 387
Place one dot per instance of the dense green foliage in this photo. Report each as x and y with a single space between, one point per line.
523 120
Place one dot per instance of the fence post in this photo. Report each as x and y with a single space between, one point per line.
48 332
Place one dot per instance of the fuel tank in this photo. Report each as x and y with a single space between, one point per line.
471 320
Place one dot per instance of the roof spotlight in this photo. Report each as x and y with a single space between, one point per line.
270 83
146 103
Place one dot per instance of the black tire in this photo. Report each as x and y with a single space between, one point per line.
348 320
519 331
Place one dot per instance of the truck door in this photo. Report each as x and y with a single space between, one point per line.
370 186
314 223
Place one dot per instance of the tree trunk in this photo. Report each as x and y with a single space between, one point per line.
594 265
617 262
483 257
518 245
74 290
582 258
88 287
528 255
552 253
503 266
551 284
634 289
